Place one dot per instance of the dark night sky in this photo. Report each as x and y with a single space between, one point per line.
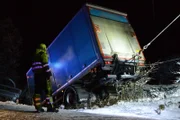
41 21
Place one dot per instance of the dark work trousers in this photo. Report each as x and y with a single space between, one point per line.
40 83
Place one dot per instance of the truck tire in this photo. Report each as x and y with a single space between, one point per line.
70 98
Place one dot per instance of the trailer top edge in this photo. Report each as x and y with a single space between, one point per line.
106 9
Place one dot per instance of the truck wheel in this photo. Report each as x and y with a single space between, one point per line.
70 98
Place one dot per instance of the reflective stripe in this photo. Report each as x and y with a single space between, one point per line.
37 63
48 70
45 65
37 67
37 103
37 99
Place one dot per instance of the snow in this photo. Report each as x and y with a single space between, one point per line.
13 111
134 110
143 109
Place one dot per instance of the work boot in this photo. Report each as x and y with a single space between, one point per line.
37 103
40 110
52 110
50 106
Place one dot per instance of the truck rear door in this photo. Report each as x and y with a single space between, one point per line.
114 33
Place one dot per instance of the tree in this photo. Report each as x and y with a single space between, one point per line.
10 49
167 72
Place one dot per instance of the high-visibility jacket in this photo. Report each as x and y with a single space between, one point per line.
40 62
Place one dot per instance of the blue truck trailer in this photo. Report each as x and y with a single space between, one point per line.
97 49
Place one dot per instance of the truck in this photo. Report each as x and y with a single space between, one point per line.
91 56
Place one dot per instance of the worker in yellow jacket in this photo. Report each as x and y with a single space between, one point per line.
42 74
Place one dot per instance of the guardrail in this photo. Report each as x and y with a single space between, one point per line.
9 93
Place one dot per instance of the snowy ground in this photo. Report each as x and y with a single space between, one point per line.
141 110
12 111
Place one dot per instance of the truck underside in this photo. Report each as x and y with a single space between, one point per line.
99 84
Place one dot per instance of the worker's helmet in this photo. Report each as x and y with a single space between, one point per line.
42 46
